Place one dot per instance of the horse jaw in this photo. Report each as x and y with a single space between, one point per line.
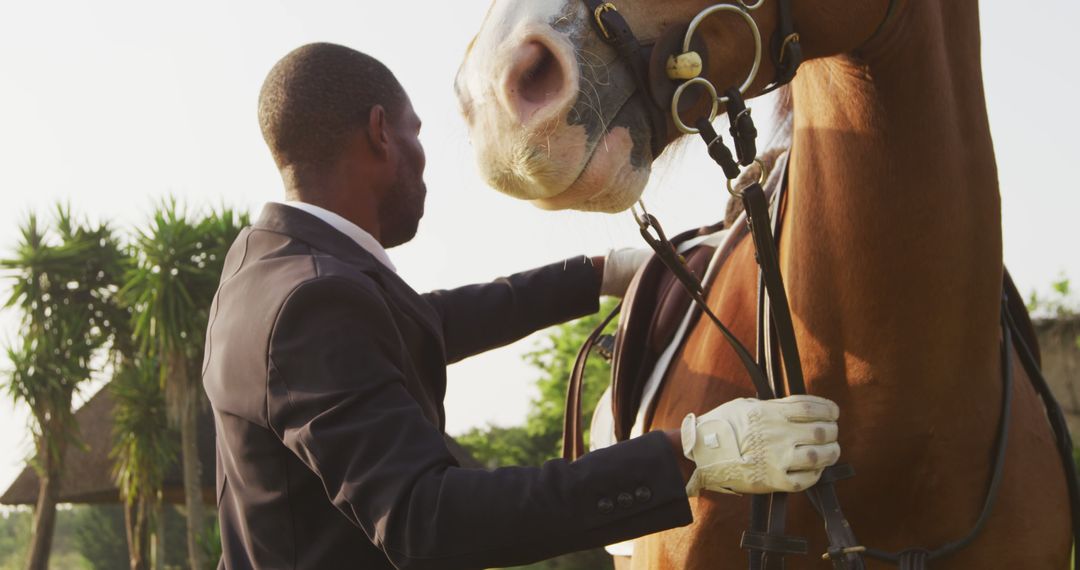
585 145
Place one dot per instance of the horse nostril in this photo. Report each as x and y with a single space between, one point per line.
536 79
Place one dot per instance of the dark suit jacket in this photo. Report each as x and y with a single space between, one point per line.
327 373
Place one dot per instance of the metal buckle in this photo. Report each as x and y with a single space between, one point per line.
845 551
762 177
598 16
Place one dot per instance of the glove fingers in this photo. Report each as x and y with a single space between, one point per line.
819 433
801 481
806 409
814 457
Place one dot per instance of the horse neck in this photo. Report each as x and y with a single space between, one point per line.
892 248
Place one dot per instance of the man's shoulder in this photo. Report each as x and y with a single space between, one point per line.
265 269
283 263
268 274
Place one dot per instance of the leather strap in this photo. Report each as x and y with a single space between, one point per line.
666 252
921 556
617 33
1054 413
786 51
786 48
759 541
778 315
844 550
768 555
742 129
889 13
757 212
573 446
914 559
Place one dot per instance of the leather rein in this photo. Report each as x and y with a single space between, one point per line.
766 540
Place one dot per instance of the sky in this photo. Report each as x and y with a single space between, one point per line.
113 105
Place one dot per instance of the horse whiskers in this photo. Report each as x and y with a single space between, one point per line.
584 104
585 101
583 60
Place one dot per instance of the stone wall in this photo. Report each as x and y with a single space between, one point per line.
1058 341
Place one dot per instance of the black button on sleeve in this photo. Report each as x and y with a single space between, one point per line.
605 505
643 494
626 500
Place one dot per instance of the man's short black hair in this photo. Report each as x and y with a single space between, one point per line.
317 96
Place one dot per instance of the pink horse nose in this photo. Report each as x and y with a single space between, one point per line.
537 82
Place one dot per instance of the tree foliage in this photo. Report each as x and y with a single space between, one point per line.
539 439
178 264
14 538
1059 303
98 535
66 280
170 288
65 284
144 447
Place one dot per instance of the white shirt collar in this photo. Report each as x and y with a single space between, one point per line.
353 231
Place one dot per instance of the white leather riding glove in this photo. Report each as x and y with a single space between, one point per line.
620 266
754 446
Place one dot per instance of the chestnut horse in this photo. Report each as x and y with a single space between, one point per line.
891 251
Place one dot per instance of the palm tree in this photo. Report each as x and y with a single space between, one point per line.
178 264
144 448
64 283
144 445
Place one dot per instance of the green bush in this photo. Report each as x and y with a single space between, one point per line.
98 534
14 538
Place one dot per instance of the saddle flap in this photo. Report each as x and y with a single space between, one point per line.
653 308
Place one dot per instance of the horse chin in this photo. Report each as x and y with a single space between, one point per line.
609 182
565 164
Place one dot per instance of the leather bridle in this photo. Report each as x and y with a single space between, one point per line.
663 78
766 539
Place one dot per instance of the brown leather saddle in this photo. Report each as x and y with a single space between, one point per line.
649 318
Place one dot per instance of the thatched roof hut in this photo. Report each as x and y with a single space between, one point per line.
88 476
88 469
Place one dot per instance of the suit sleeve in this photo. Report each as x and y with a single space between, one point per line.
336 398
478 318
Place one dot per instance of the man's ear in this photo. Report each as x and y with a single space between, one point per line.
378 131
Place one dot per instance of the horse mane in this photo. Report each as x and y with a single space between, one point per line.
783 115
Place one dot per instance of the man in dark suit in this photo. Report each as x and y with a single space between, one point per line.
326 371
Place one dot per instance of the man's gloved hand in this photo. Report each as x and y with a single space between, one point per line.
754 446
620 266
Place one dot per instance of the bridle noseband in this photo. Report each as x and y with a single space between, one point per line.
682 70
